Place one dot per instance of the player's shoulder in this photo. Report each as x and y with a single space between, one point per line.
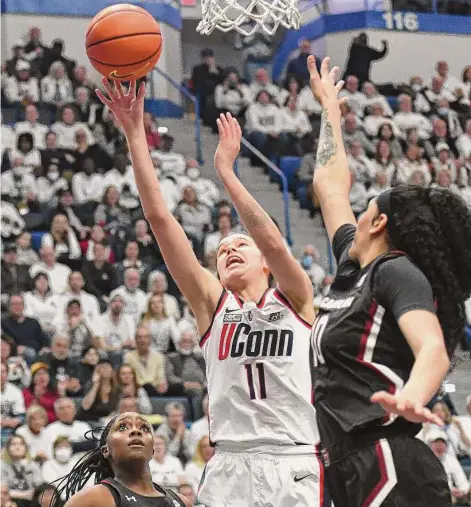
98 494
400 266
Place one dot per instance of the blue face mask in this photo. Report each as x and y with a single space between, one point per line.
307 261
443 111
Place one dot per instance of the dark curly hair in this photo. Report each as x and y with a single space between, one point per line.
92 463
434 228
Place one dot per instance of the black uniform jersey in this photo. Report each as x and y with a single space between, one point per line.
358 346
124 497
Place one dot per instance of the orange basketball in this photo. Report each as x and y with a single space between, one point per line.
123 42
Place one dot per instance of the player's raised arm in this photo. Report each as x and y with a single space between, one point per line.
331 175
292 280
200 288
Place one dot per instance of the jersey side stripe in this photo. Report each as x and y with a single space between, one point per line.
280 296
366 353
321 475
388 475
222 300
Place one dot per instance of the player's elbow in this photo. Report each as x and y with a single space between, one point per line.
274 246
437 354
156 216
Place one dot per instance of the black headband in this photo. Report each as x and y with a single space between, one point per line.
383 202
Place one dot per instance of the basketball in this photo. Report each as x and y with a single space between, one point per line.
123 42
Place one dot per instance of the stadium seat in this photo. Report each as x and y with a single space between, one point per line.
289 166
158 405
301 196
392 102
36 238
9 115
45 115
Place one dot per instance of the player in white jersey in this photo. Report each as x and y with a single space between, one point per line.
257 352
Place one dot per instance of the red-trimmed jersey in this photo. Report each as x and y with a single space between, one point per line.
259 374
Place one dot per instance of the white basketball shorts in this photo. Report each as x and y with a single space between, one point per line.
242 478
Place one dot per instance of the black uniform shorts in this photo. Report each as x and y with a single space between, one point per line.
395 472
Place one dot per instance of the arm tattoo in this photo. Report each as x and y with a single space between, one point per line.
327 146
254 216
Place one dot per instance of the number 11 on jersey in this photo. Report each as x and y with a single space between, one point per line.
261 380
317 332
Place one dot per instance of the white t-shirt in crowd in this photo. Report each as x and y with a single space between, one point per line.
115 333
75 432
193 471
465 421
58 275
455 473
66 134
12 403
170 162
87 188
136 302
166 474
36 443
198 430
38 131
88 302
113 178
44 310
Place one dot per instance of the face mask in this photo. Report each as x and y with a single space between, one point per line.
63 454
193 173
186 352
307 261
53 176
416 87
443 111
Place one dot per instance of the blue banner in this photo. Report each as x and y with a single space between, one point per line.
161 11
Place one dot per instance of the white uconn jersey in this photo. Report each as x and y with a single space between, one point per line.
258 371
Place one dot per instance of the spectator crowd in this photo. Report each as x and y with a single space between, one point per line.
92 325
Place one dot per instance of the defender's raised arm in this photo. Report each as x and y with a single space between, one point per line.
331 175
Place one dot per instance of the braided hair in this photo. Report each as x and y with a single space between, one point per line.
92 463
434 228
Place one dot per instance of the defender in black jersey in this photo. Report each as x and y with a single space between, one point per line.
121 468
384 333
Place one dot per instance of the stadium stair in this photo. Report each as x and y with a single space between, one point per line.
304 230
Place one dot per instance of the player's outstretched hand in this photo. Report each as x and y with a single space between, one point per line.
324 86
401 406
127 107
230 135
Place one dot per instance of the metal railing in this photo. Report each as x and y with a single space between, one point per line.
199 152
184 91
284 182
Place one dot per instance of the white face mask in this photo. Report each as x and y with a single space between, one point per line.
186 352
416 87
53 176
63 454
193 173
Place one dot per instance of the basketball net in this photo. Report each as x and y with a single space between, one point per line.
248 16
